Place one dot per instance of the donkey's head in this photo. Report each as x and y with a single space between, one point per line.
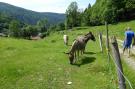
90 36
71 57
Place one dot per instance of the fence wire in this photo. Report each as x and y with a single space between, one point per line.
130 85
121 72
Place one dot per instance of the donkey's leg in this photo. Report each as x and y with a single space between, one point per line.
82 51
77 54
74 57
84 48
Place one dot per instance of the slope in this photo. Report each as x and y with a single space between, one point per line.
28 16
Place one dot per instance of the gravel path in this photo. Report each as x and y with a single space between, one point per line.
129 60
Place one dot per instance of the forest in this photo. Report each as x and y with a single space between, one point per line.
18 22
112 11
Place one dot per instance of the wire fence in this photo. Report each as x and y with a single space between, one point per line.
121 72
112 58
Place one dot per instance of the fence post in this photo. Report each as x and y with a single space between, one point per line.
100 41
107 41
116 55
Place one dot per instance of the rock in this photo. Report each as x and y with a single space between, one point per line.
69 83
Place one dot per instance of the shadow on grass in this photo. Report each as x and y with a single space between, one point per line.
89 53
84 61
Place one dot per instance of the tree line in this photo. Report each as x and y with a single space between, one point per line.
112 11
11 27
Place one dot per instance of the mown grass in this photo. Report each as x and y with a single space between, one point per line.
42 64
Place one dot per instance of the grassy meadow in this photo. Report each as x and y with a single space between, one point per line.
42 64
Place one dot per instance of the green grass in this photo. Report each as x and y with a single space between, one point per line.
42 64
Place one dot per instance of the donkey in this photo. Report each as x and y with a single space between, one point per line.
79 46
65 38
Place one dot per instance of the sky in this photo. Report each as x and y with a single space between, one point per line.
58 6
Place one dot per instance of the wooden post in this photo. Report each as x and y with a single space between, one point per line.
116 55
107 41
100 41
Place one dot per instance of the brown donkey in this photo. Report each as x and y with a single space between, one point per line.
79 46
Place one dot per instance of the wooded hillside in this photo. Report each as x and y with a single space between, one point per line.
28 16
111 11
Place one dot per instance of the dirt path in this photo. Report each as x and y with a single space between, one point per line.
129 60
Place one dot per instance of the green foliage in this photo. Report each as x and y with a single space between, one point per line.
45 34
4 23
14 28
42 25
72 15
16 22
60 27
109 15
130 4
28 16
29 31
52 28
111 11
86 16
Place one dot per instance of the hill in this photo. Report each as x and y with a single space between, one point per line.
112 11
42 63
28 16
